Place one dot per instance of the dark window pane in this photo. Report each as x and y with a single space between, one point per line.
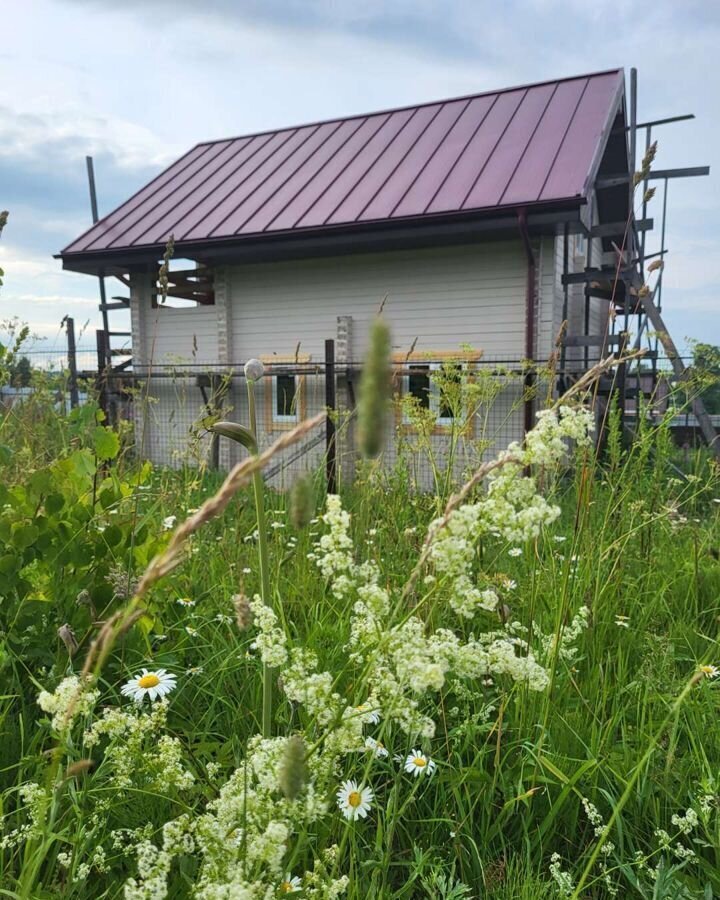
419 384
286 387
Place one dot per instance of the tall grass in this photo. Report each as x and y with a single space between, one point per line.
629 722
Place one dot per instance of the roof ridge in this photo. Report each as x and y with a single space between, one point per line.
394 109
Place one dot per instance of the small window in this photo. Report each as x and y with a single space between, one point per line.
435 387
284 395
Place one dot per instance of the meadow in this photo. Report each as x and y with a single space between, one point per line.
506 692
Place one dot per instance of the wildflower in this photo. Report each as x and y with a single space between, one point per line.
417 762
559 538
191 631
710 671
169 522
247 570
290 885
377 747
354 800
369 715
515 551
195 670
153 684
72 697
185 601
622 621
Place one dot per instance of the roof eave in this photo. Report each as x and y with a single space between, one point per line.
421 231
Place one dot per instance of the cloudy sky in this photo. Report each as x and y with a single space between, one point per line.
137 83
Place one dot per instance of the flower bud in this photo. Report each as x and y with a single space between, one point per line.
67 636
302 502
254 370
374 391
293 773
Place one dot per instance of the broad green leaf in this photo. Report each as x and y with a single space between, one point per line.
106 443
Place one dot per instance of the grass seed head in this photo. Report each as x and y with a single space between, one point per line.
293 773
302 502
243 611
374 393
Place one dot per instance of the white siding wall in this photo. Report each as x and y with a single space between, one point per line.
442 299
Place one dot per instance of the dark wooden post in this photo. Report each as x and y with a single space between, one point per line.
72 362
331 404
102 367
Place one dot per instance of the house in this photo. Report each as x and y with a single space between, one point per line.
465 214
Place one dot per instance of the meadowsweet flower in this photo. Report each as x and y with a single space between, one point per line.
291 884
185 601
377 747
417 763
71 698
710 671
153 684
355 801
169 522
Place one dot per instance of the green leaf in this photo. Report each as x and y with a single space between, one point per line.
24 535
106 443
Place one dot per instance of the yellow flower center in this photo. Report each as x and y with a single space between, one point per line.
708 670
148 681
419 762
286 887
354 799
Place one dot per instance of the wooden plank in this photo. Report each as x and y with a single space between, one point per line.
610 229
592 340
605 273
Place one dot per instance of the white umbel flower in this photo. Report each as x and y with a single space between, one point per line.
151 684
169 522
355 801
417 763
185 601
291 884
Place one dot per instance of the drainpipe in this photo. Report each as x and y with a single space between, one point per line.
529 315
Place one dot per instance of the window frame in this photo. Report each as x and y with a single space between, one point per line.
273 420
434 361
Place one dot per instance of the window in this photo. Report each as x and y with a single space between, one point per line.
284 391
435 385
284 398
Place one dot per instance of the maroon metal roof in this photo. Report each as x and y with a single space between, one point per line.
515 147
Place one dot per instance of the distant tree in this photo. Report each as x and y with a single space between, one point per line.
706 361
20 372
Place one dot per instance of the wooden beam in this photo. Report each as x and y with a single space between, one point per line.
611 229
604 273
592 340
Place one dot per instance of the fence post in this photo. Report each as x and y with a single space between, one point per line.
331 405
101 341
72 362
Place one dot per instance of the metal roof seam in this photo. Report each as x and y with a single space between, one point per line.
305 184
257 187
562 140
206 177
402 159
288 136
155 200
492 152
527 145
430 158
171 228
294 172
327 187
130 199
371 164
461 154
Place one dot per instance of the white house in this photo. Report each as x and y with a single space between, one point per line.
465 214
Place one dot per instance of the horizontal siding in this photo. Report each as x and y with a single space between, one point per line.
177 336
443 297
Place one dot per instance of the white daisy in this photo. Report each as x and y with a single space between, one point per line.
354 801
185 601
369 714
169 522
152 684
622 621
417 762
710 671
377 747
290 885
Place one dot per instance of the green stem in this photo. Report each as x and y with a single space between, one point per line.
264 561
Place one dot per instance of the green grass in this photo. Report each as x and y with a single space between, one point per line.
513 764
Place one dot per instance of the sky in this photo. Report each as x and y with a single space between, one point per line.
136 84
